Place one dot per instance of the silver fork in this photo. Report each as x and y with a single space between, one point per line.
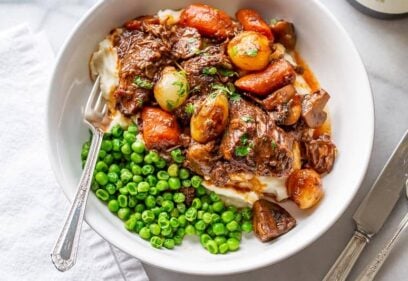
96 117
372 268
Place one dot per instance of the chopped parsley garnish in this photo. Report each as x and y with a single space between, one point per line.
227 73
244 139
195 89
143 83
274 21
182 87
273 144
242 151
229 90
251 52
210 70
190 108
247 119
170 104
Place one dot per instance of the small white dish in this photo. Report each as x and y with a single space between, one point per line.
322 42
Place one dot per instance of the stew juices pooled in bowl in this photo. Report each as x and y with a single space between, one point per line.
216 121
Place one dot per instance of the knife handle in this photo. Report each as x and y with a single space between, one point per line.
345 262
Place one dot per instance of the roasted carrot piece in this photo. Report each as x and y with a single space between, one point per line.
252 21
207 20
160 128
278 74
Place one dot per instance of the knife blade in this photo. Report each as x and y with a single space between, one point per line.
379 202
374 210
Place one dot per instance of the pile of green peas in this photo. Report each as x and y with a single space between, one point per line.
143 190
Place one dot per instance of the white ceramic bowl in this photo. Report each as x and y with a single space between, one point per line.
330 53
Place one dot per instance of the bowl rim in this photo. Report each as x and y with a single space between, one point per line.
219 271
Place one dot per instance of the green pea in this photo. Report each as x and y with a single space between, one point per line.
139 208
233 244
190 230
174 183
205 206
173 170
136 158
143 186
114 168
218 228
238 217
168 205
196 203
132 188
174 223
246 213
130 223
232 226
181 207
150 201
177 240
123 190
106 145
116 145
84 153
200 214
148 159
155 229
117 155
132 201
214 197
138 146
168 196
161 163
117 131
200 225
129 137
108 159
169 243
123 213
144 233
125 175
101 154
132 128
223 248
215 218
179 197
211 246
218 206
101 178
113 177
246 226
227 216
162 175
139 225
196 181
101 167
119 184
159 200
207 217
162 185
137 178
191 214
163 222
141 195
125 149
110 188
181 232
186 183
177 155
164 215
156 241
167 232
152 180
182 220
153 191
123 202
204 238
154 156
147 169
236 235
184 173
113 206
220 240
200 191
147 216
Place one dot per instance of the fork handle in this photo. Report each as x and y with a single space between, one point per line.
372 269
65 249
345 262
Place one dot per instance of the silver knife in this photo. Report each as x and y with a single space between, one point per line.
374 210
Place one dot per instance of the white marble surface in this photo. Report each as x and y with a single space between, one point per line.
383 46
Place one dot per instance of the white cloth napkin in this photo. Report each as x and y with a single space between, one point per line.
32 206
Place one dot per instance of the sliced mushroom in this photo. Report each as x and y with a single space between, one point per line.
320 154
270 220
284 32
294 109
312 108
281 96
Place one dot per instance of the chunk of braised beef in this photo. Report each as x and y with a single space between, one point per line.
130 101
211 56
270 220
200 158
320 154
189 193
186 42
222 173
313 108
